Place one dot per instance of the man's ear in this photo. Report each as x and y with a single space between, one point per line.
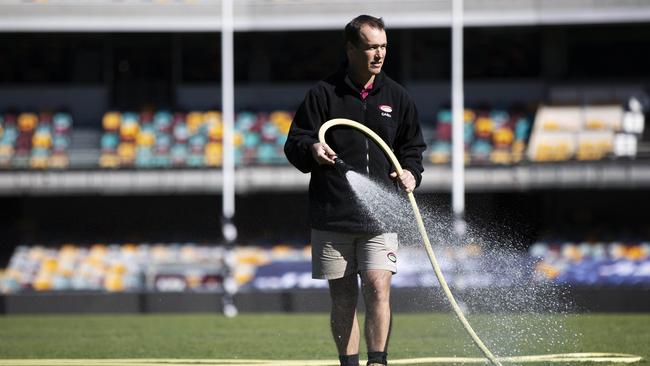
349 46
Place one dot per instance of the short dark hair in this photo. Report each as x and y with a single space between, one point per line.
352 29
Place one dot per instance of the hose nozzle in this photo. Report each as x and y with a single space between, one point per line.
341 166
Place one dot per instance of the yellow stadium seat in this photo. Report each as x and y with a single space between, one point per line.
635 253
117 268
518 149
38 162
194 121
550 125
129 248
547 270
562 152
281 249
43 282
68 249
587 151
238 139
146 139
49 265
58 161
282 120
212 117
111 121
595 124
215 131
98 251
243 278
6 150
27 121
109 161
213 154
126 152
469 115
194 280
503 137
439 158
43 140
501 156
484 127
129 131
114 283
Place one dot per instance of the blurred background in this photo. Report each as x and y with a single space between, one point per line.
111 141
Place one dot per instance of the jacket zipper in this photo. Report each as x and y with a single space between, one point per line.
366 138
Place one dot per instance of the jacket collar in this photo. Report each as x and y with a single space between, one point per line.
377 83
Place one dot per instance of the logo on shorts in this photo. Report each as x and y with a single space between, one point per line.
392 257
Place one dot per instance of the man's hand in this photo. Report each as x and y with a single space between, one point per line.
323 154
406 180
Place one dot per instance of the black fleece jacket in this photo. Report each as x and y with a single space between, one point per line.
387 110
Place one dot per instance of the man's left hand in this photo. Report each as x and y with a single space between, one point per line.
406 180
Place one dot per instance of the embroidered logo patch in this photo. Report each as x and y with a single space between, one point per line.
386 108
392 257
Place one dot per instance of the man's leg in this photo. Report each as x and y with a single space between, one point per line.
376 294
345 328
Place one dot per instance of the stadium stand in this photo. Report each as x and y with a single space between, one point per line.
165 139
135 267
585 133
582 138
193 267
35 140
162 139
494 136
593 263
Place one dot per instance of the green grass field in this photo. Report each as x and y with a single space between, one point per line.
290 336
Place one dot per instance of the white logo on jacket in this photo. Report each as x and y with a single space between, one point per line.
386 110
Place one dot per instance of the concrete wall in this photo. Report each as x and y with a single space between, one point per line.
403 300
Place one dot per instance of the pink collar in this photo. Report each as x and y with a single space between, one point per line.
366 91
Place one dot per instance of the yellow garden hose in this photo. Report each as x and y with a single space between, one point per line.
555 358
423 232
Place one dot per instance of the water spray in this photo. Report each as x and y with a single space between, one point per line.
553 358
423 232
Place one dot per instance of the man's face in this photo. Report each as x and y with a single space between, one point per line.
367 57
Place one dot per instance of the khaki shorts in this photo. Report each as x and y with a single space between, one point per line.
336 255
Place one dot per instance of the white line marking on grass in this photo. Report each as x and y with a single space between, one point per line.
552 358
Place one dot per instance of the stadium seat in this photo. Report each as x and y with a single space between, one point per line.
146 137
27 122
194 120
109 142
126 153
162 121
111 121
62 123
440 152
213 154
129 129
144 157
179 155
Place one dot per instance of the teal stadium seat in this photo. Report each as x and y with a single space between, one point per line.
179 155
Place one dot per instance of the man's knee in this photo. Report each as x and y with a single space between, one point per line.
344 292
376 285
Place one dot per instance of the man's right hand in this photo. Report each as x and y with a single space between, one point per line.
323 154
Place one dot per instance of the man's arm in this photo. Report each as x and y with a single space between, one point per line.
409 144
302 147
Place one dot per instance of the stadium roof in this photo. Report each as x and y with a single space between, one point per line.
250 15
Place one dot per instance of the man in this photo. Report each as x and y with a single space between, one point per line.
344 243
